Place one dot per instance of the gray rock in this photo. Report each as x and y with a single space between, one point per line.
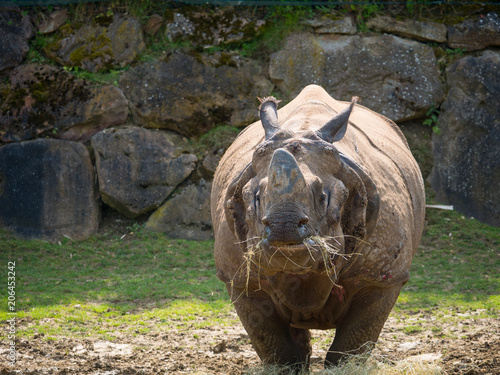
53 22
139 168
344 25
211 161
203 29
477 34
329 25
98 46
419 30
47 190
179 27
466 169
393 76
15 32
46 101
155 22
187 215
190 96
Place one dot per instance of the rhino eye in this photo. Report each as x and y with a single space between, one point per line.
256 199
322 198
327 198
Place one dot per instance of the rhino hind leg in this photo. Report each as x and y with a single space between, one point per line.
360 328
273 339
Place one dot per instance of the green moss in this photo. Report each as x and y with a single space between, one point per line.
52 47
39 92
103 20
66 30
227 59
78 55
215 139
15 98
96 47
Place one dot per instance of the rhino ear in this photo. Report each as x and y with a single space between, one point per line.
235 207
269 115
335 129
361 210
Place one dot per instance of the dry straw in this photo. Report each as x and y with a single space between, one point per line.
361 364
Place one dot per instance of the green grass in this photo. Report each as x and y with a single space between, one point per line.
111 284
457 266
108 77
89 287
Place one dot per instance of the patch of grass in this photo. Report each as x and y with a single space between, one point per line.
109 77
413 328
456 267
88 288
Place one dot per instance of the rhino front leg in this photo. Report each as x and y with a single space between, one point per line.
272 338
361 326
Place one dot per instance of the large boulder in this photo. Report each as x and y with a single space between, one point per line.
15 32
105 43
187 215
47 190
466 153
46 101
424 31
393 76
475 34
191 96
138 168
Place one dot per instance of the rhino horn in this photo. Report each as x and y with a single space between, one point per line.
269 115
335 129
286 187
285 176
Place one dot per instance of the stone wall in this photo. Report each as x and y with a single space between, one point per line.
70 146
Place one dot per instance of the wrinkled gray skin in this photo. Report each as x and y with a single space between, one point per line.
318 210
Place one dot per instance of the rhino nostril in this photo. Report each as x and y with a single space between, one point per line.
303 221
267 232
265 221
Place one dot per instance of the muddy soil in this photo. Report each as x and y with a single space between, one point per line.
467 345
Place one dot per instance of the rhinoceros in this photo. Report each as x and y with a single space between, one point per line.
318 210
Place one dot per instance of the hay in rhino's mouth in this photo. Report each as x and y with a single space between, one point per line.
314 254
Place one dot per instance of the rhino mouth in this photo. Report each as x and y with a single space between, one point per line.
314 254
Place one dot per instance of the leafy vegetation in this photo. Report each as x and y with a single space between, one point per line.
36 53
99 78
432 119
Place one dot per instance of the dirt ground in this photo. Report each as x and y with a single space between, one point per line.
470 346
